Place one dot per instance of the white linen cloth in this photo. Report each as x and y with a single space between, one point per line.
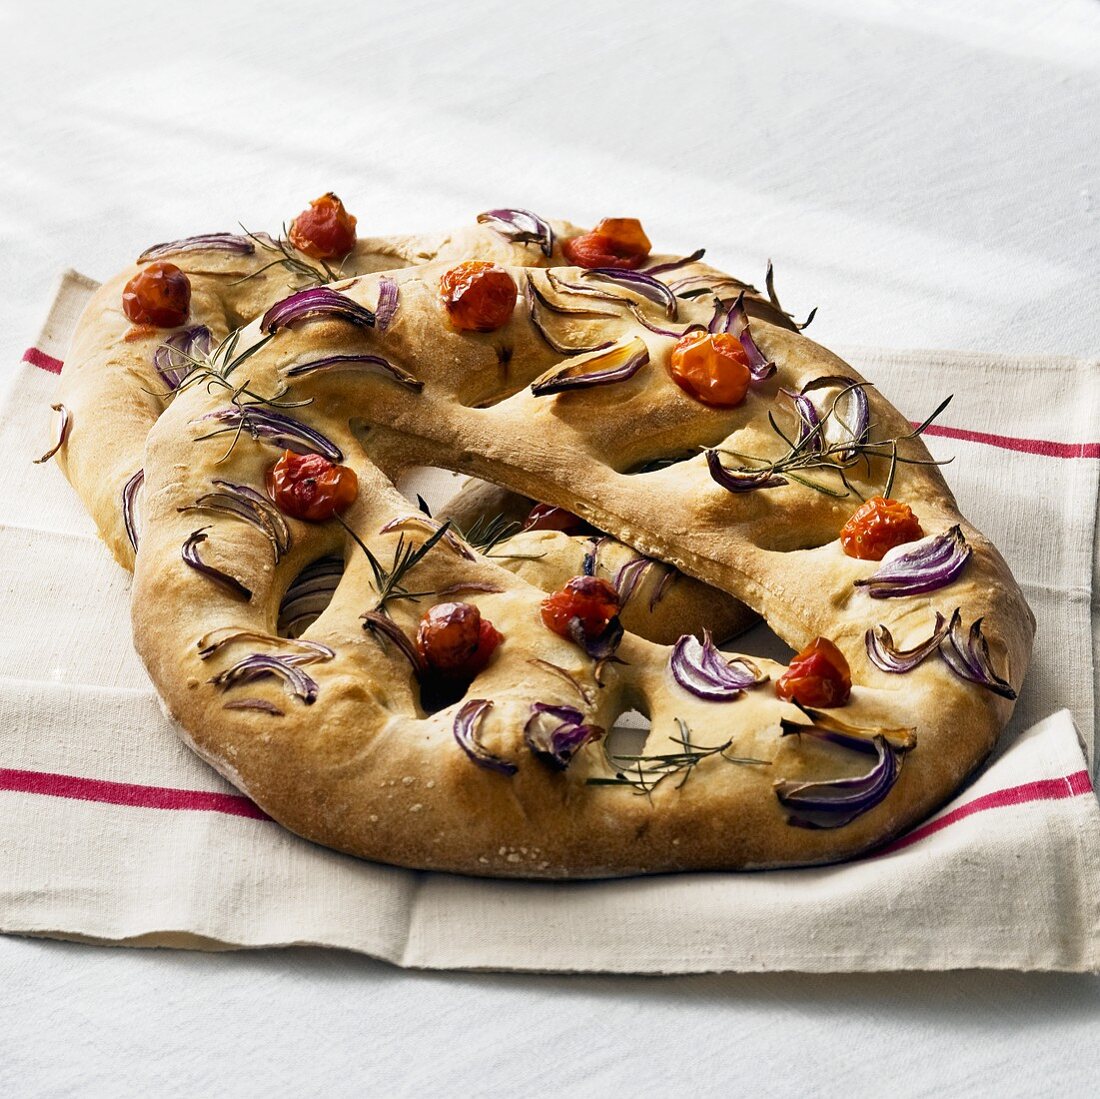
170 855
926 173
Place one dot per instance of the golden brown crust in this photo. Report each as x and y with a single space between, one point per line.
365 770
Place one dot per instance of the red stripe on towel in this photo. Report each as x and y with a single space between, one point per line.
1047 789
165 797
127 793
1009 442
40 359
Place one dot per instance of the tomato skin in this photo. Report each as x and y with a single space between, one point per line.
711 367
817 676
615 242
479 296
877 526
455 641
325 231
590 599
548 517
159 294
310 487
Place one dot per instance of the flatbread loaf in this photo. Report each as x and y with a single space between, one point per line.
573 400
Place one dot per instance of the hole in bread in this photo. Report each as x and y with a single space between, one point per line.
663 461
762 640
436 486
628 735
309 595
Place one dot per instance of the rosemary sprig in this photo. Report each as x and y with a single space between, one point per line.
812 453
215 367
290 258
649 771
485 534
213 371
389 582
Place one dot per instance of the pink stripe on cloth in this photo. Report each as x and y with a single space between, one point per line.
52 784
40 359
1045 447
127 793
1047 789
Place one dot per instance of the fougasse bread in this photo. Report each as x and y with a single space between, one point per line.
378 684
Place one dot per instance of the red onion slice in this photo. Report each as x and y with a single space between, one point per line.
850 417
466 725
521 227
645 322
662 587
130 492
266 426
564 310
741 480
918 567
702 670
563 287
969 657
174 359
808 420
707 284
245 503
62 435
308 596
374 364
377 622
317 301
388 297
261 705
885 655
461 586
531 296
216 640
607 367
262 503
190 554
640 283
427 523
204 242
556 733
733 319
833 804
258 665
676 264
600 648
627 577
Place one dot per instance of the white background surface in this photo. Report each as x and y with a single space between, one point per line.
927 174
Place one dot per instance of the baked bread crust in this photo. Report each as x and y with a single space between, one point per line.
364 769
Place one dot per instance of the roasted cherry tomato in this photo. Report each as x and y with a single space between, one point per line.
588 598
711 367
548 517
307 486
479 296
455 641
159 294
878 526
615 242
325 231
818 676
